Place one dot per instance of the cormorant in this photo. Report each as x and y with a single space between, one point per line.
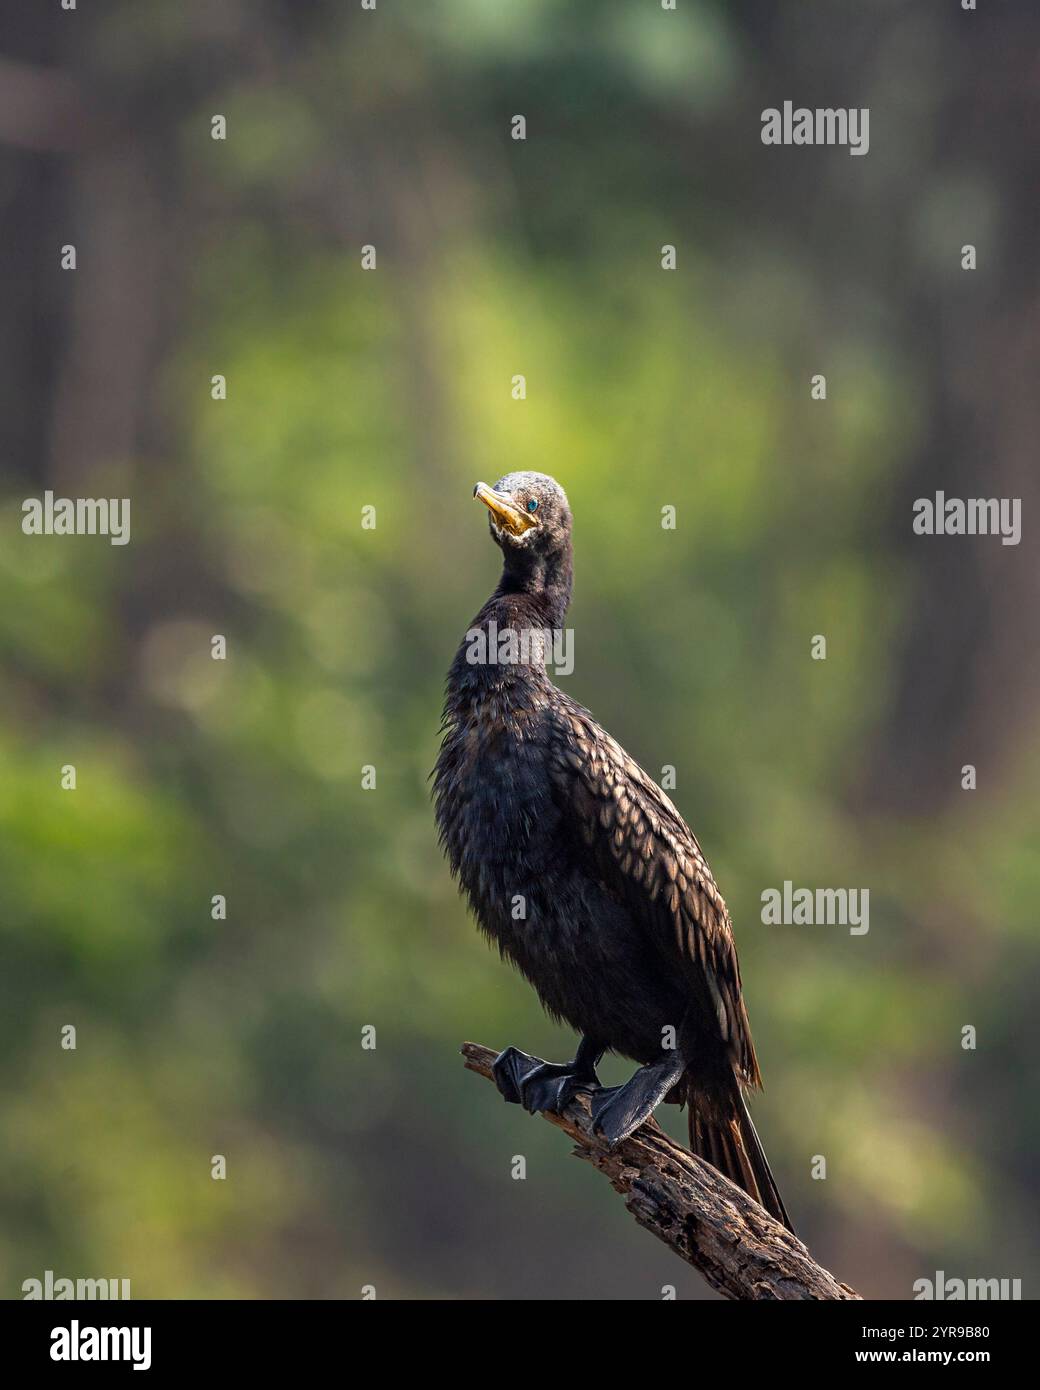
583 872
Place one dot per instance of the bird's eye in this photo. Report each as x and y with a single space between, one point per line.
532 505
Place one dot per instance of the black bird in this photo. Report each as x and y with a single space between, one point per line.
583 872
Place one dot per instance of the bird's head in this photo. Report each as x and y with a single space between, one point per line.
529 515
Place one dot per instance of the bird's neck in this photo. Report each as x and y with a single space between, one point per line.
529 605
545 582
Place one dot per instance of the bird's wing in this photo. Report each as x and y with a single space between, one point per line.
641 848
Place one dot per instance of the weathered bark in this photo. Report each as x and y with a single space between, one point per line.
707 1220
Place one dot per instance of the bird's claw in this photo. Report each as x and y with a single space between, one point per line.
614 1116
617 1111
537 1085
510 1069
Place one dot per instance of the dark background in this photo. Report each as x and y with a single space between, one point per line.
392 388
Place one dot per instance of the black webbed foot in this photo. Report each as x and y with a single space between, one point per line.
618 1110
513 1069
537 1085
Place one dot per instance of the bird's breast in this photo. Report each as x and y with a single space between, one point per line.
512 847
495 810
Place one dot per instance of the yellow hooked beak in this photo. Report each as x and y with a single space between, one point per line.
507 514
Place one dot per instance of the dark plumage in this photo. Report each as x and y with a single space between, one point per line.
624 933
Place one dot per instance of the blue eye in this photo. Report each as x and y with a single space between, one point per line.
532 505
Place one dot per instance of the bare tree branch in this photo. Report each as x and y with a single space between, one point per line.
707 1220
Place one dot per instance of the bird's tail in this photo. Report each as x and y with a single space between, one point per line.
727 1139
